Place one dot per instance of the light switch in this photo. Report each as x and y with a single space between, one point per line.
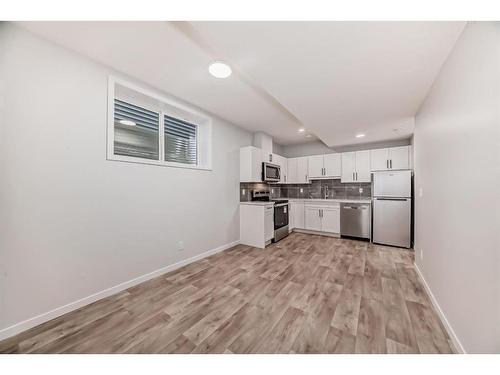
420 192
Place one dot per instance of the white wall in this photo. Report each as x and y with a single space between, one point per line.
73 223
318 147
457 156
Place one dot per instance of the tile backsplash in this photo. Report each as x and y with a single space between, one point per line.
316 189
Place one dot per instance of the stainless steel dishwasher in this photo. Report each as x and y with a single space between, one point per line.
355 220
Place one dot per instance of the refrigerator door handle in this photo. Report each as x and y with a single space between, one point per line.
391 199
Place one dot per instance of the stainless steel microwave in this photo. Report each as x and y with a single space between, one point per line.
270 172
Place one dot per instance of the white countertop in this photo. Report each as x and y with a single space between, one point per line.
311 200
319 200
258 203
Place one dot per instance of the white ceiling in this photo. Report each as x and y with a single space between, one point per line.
334 78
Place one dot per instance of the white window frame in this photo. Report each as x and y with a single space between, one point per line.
205 164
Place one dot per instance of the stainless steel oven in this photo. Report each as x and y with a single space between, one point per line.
270 172
280 219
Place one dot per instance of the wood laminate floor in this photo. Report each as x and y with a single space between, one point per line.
305 294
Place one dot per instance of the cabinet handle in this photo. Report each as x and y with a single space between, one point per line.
391 163
356 176
353 176
387 163
306 177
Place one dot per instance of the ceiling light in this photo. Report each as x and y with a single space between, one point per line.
127 122
302 130
220 69
361 135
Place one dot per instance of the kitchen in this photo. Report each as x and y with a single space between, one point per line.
328 194
258 187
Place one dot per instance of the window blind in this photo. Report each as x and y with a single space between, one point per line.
137 139
181 145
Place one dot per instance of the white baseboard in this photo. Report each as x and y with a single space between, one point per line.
454 338
307 231
45 317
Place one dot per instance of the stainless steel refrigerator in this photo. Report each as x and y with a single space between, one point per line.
392 208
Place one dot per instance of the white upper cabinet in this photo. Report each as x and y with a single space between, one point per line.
292 169
348 167
333 165
302 170
282 162
379 159
325 166
399 157
297 170
315 166
363 172
356 166
250 164
390 158
267 157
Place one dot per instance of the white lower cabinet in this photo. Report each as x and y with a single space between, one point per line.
313 218
256 224
330 218
269 223
322 217
297 215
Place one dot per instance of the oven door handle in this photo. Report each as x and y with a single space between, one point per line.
281 205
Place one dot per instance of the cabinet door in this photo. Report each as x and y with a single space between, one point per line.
302 170
363 173
312 218
250 164
292 167
315 166
291 216
332 165
269 222
379 159
331 220
348 167
298 215
399 157
281 161
267 157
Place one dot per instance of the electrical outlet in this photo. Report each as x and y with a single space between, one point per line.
180 245
360 190
420 192
272 191
243 192
301 190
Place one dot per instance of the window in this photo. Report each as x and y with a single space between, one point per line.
180 141
136 131
138 117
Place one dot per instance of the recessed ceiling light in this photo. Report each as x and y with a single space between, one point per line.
219 69
361 135
301 130
127 122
